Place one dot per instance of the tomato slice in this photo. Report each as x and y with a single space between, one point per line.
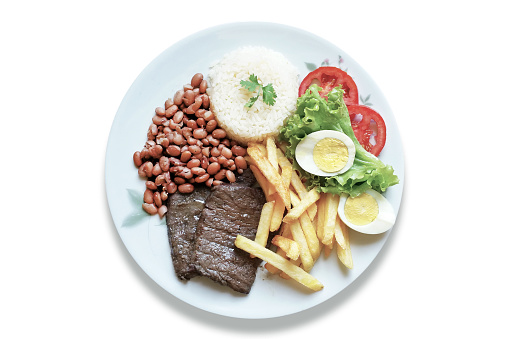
362 118
328 78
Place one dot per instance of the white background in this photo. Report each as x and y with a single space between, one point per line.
64 69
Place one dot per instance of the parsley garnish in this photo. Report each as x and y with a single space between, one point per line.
253 85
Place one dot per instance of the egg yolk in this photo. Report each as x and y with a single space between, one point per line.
330 154
361 210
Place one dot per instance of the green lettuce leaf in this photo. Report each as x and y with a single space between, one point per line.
314 114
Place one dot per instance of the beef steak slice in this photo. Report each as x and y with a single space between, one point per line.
183 214
229 210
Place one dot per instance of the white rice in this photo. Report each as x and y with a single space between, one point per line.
228 97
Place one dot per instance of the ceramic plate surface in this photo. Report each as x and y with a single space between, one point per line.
146 237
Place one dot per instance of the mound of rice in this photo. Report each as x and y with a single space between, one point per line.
228 97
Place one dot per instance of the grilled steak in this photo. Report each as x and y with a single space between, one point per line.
184 211
231 209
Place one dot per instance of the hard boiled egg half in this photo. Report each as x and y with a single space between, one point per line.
325 153
369 213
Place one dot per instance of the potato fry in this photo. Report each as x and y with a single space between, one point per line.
338 233
302 206
320 220
301 190
295 272
262 233
277 214
289 246
286 168
331 211
305 254
270 174
345 254
308 229
327 249
271 152
262 181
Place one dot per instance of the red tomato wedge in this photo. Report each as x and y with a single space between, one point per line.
365 122
328 78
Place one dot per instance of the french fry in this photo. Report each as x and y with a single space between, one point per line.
345 254
289 246
320 220
270 174
301 190
338 233
295 272
262 233
331 211
286 167
327 249
305 255
302 206
271 152
308 229
264 184
277 214
284 231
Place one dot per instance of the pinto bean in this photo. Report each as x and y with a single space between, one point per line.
137 159
196 80
219 133
239 151
213 168
185 188
178 97
149 208
230 176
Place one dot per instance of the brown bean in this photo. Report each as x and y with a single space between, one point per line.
160 180
229 163
220 175
198 171
157 169
219 133
205 101
199 113
213 141
160 111
186 188
162 211
238 151
202 178
211 125
148 196
173 150
193 163
179 140
150 185
226 152
221 159
230 176
159 121
147 169
189 96
203 86
192 124
149 208
178 97
208 115
164 194
191 141
177 118
179 180
213 168
152 129
171 187
204 162
209 182
216 182
157 199
137 159
205 151
164 162
187 87
240 162
185 156
194 149
196 80
197 104
170 111
187 132
215 152
168 103
199 133
200 122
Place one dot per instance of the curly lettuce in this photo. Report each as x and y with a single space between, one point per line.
314 114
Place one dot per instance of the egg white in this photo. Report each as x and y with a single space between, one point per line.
304 152
382 223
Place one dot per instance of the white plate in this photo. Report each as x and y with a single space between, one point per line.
146 238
